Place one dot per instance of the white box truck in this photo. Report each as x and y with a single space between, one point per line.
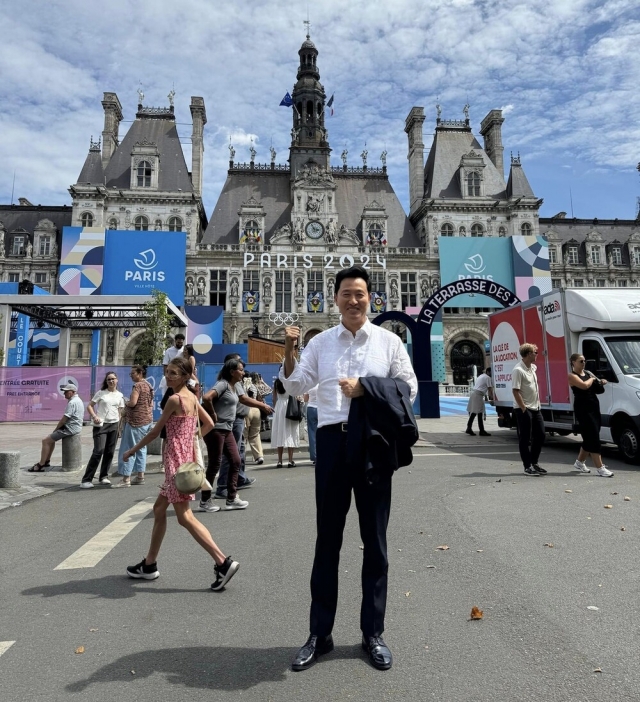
601 324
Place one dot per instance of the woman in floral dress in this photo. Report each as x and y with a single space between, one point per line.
180 416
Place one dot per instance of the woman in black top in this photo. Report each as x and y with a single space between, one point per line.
587 409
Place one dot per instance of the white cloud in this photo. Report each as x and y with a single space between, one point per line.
565 72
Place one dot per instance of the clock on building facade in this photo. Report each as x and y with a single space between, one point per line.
314 230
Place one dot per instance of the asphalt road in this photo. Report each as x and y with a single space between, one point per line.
533 556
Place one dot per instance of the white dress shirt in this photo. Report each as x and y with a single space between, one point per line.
336 354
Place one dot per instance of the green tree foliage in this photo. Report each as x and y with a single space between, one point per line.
158 323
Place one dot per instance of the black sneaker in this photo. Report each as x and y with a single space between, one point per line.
142 570
539 469
247 483
531 471
470 431
224 573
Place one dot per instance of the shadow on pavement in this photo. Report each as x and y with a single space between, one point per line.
208 667
110 587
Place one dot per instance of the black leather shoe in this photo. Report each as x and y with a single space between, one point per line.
379 654
308 654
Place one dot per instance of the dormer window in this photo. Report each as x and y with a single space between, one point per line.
446 229
45 245
572 255
141 224
616 255
87 219
175 224
477 230
376 235
145 172
525 229
636 255
595 255
17 248
553 254
473 184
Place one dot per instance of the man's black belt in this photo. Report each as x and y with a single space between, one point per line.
340 426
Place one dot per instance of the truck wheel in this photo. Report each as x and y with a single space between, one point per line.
629 444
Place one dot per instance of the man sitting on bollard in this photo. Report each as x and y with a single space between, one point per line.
69 424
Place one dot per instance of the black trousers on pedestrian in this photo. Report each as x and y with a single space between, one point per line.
336 478
531 431
472 416
105 438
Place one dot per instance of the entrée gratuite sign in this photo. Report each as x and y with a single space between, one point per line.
326 261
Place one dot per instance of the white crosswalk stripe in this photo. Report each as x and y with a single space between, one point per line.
98 547
5 646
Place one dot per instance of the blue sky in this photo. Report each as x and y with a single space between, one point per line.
565 72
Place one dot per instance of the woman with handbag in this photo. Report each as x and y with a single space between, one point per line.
221 402
284 432
181 416
585 387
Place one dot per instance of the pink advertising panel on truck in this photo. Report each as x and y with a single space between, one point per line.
533 334
557 343
505 328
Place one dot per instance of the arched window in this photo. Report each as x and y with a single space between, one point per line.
175 224
525 229
144 174
446 229
87 219
141 223
375 234
251 233
79 351
473 184
477 230
113 223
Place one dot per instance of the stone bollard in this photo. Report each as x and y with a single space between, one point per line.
155 447
9 469
72 453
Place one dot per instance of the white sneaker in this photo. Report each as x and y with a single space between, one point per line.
208 506
579 465
86 486
604 472
105 481
236 504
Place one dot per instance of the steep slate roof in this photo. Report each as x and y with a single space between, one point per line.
20 217
173 175
609 229
441 171
518 185
273 192
92 172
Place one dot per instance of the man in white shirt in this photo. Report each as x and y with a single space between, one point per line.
69 424
169 355
526 403
475 406
334 361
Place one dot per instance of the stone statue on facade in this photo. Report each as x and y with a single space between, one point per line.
394 289
330 290
383 158
424 289
299 288
171 95
140 96
462 231
232 152
1 245
252 152
29 250
294 134
314 202
54 247
273 154
297 236
330 233
234 287
363 156
189 287
343 156
200 286
438 111
465 109
266 286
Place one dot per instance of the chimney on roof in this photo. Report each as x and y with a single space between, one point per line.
24 202
199 117
112 118
491 130
413 128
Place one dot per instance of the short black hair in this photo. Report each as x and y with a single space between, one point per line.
232 356
488 370
178 336
353 272
228 368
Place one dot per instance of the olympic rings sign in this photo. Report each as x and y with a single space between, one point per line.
283 318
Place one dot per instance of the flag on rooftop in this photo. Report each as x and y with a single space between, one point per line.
286 101
330 105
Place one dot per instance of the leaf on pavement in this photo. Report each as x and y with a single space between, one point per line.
608 506
93 630
593 608
568 490
442 548
476 613
623 528
407 594
627 499
597 670
80 649
550 545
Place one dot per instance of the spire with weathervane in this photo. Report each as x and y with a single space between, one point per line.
308 136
